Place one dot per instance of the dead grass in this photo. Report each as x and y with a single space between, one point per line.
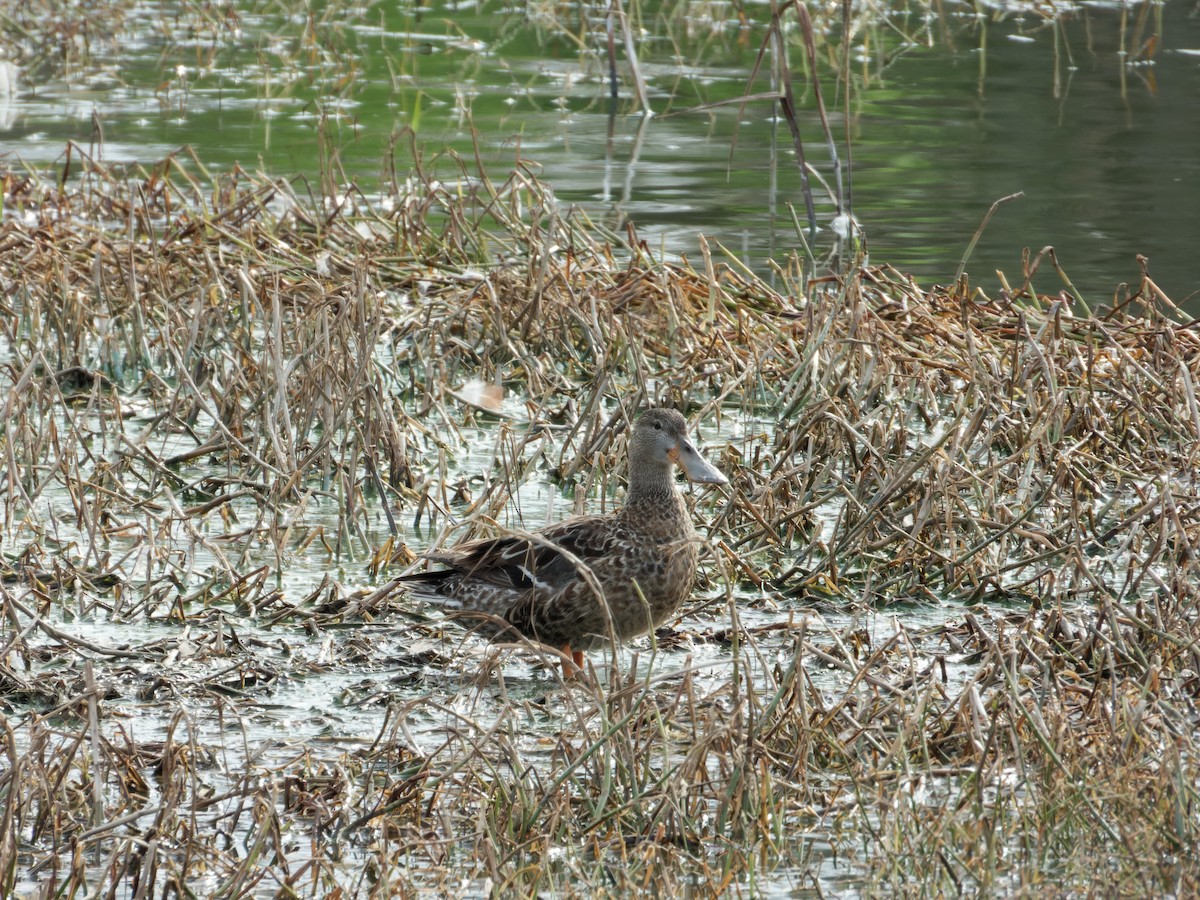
226 411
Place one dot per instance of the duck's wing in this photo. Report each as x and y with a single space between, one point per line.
545 559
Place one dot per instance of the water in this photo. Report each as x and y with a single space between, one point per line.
956 113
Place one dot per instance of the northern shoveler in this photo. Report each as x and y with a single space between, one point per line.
590 580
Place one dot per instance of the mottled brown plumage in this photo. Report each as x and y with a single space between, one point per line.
589 580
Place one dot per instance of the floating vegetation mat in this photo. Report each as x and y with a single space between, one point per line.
945 643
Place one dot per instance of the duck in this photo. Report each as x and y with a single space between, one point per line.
589 581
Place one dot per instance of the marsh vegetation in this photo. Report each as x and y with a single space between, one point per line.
945 640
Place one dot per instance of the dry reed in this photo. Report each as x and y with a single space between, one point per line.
228 411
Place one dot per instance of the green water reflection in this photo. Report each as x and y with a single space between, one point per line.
978 108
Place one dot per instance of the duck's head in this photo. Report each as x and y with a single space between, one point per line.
660 439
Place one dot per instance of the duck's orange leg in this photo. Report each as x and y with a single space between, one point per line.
574 668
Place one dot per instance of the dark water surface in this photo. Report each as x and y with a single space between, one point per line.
966 109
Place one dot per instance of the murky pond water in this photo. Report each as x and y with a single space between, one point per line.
947 116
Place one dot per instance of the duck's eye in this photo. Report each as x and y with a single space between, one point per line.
658 426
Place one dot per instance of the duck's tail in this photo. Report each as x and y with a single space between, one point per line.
436 586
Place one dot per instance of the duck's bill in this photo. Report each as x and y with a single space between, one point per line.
695 466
